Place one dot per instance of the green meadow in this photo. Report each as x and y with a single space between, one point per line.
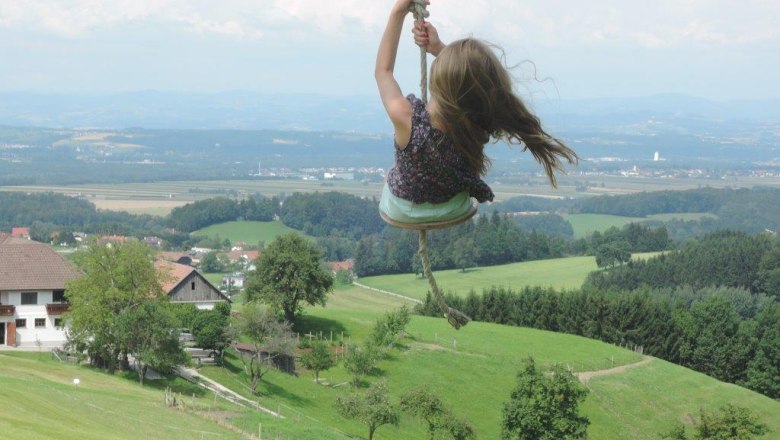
585 224
559 273
251 232
47 405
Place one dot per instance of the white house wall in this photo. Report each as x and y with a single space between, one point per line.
29 336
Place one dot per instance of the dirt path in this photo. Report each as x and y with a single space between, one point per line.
192 375
408 298
585 376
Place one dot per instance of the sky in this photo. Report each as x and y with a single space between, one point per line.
715 49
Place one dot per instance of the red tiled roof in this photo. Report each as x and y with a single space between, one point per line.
239 255
339 265
173 272
20 232
29 265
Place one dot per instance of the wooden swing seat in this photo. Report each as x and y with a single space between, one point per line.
433 225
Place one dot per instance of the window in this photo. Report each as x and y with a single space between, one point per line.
58 322
21 323
40 322
193 285
29 298
58 296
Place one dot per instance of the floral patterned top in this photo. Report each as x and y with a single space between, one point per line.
430 169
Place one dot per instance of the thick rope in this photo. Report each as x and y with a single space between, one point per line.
455 317
417 8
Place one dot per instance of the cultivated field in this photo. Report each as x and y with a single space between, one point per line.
134 206
160 195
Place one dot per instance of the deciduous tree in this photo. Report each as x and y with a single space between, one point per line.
359 361
319 358
425 404
728 423
117 280
290 273
269 338
544 406
210 330
372 407
149 335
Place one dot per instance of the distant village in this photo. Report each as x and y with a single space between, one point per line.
655 169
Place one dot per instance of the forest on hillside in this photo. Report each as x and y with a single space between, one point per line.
347 226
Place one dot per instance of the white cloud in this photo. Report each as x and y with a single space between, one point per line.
587 47
660 23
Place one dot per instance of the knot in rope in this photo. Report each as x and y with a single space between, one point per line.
417 8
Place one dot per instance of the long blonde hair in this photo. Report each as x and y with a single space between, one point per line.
474 101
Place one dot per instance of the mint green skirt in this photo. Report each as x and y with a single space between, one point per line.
405 211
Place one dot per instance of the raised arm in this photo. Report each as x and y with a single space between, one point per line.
426 35
397 107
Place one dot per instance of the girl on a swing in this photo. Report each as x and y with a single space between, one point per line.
440 160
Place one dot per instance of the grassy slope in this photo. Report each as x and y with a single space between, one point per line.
652 398
560 273
247 231
476 378
46 405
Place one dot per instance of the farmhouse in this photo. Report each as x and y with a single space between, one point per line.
186 285
347 265
233 282
32 293
21 233
245 258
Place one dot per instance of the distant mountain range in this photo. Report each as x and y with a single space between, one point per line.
361 113
679 127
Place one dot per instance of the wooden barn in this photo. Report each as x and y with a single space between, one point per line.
186 285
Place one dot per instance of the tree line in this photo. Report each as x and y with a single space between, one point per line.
750 210
727 333
46 213
203 213
490 240
724 258
331 213
494 239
